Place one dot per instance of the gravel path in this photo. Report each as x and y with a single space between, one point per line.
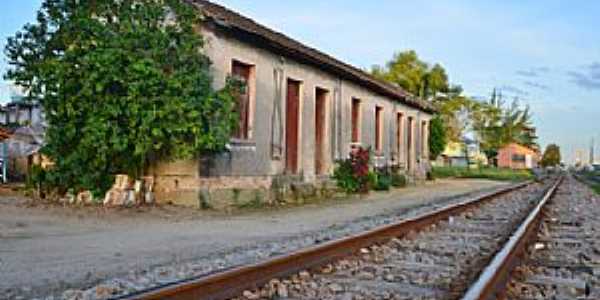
45 251
564 263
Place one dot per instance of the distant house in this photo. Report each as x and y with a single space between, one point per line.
462 154
26 124
455 155
518 157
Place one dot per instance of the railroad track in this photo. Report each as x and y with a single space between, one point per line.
437 255
564 260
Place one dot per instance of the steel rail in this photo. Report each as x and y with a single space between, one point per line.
231 283
491 283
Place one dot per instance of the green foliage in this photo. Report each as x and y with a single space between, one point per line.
497 124
437 137
382 180
591 179
482 173
352 174
408 71
429 82
36 177
344 176
494 123
430 176
398 180
122 83
551 156
371 180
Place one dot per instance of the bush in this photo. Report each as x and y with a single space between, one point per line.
344 176
399 180
352 174
383 182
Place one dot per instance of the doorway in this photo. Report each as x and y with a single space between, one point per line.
410 144
399 137
292 124
320 131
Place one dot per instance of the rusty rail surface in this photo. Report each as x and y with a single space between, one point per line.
231 283
491 284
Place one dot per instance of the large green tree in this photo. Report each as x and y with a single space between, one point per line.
122 83
437 137
551 156
416 76
498 124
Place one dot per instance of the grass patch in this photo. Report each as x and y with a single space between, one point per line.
482 173
591 179
595 186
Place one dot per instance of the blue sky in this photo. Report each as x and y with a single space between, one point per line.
547 53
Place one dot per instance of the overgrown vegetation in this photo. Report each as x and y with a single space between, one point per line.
399 180
382 180
352 174
482 173
122 83
437 137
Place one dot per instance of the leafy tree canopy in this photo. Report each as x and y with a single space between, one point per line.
419 78
122 83
498 124
495 123
551 156
437 137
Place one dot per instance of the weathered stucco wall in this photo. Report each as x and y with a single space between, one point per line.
262 156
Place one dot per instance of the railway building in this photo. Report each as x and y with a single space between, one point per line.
301 111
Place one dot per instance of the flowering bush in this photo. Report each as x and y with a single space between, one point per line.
353 174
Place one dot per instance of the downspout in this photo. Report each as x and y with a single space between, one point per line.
4 161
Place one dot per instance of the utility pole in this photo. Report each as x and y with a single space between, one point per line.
592 153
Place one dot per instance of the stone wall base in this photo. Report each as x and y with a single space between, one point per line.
231 193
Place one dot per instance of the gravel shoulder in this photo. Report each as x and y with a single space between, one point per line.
45 250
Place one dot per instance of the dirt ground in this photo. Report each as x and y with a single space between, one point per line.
52 248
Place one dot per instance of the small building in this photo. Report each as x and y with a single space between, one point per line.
517 157
462 154
26 124
302 111
455 155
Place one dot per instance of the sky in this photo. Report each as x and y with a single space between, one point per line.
545 52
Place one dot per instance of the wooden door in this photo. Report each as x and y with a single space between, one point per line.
292 126
399 137
320 131
355 121
242 72
410 144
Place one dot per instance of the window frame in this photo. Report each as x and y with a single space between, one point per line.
356 120
248 131
379 129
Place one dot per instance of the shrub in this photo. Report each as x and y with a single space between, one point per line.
398 180
383 182
352 174
344 176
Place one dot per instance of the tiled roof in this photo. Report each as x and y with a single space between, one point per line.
265 37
